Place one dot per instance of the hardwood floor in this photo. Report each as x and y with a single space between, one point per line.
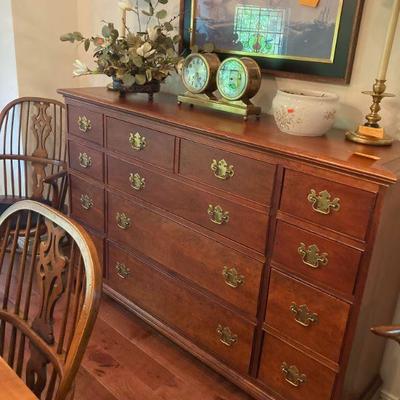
128 360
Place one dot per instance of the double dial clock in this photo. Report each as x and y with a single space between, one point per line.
237 80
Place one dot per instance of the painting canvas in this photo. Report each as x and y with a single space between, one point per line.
285 35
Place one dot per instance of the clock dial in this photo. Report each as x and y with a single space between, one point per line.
232 79
196 73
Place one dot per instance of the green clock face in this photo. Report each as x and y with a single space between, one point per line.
232 79
195 73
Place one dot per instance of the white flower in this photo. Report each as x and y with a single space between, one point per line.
125 5
80 68
145 50
154 33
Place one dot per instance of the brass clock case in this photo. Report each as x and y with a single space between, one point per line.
252 78
212 63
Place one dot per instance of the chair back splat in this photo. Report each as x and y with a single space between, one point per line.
33 151
50 286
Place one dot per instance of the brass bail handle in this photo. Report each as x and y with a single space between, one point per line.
222 170
137 141
322 202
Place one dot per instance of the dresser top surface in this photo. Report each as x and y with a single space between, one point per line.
331 149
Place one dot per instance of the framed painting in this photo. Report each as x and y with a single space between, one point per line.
309 39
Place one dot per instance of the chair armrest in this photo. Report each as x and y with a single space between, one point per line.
52 178
389 332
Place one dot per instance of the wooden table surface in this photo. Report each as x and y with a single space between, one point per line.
12 386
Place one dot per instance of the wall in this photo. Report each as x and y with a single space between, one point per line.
43 63
8 76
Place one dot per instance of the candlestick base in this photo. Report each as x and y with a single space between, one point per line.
373 118
368 140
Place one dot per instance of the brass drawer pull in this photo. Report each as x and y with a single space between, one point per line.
232 277
84 124
222 170
226 336
303 315
123 221
85 161
122 270
137 141
86 202
311 256
292 375
322 202
218 215
136 181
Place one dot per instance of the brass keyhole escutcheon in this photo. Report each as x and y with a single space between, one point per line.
232 277
84 124
311 256
292 375
86 202
122 270
123 221
85 161
226 336
303 315
322 202
136 181
222 170
137 141
218 215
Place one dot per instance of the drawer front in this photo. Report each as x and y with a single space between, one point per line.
85 123
87 203
231 275
339 207
142 143
86 160
233 173
210 326
292 374
317 259
306 315
237 222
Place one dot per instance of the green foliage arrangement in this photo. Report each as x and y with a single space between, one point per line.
133 58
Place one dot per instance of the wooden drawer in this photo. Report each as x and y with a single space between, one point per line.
337 269
251 178
319 380
350 215
86 160
189 312
87 203
142 143
245 225
85 123
196 257
306 315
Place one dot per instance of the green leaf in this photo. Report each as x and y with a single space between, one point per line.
128 79
87 44
147 13
163 1
149 75
176 39
168 26
161 14
209 47
137 60
78 36
106 31
171 53
67 37
140 79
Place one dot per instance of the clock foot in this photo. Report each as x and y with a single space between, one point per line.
179 103
191 105
245 118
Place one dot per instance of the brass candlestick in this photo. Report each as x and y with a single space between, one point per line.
373 118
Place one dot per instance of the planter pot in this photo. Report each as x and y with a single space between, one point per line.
150 88
305 112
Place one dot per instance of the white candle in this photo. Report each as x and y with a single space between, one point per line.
389 41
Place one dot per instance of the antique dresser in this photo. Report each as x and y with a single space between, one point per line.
266 256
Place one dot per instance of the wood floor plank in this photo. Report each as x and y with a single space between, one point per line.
89 388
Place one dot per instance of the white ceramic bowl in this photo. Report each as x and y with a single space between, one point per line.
304 112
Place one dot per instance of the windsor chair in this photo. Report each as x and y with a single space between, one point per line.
388 332
49 297
33 152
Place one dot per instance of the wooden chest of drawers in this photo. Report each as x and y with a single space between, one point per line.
266 256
